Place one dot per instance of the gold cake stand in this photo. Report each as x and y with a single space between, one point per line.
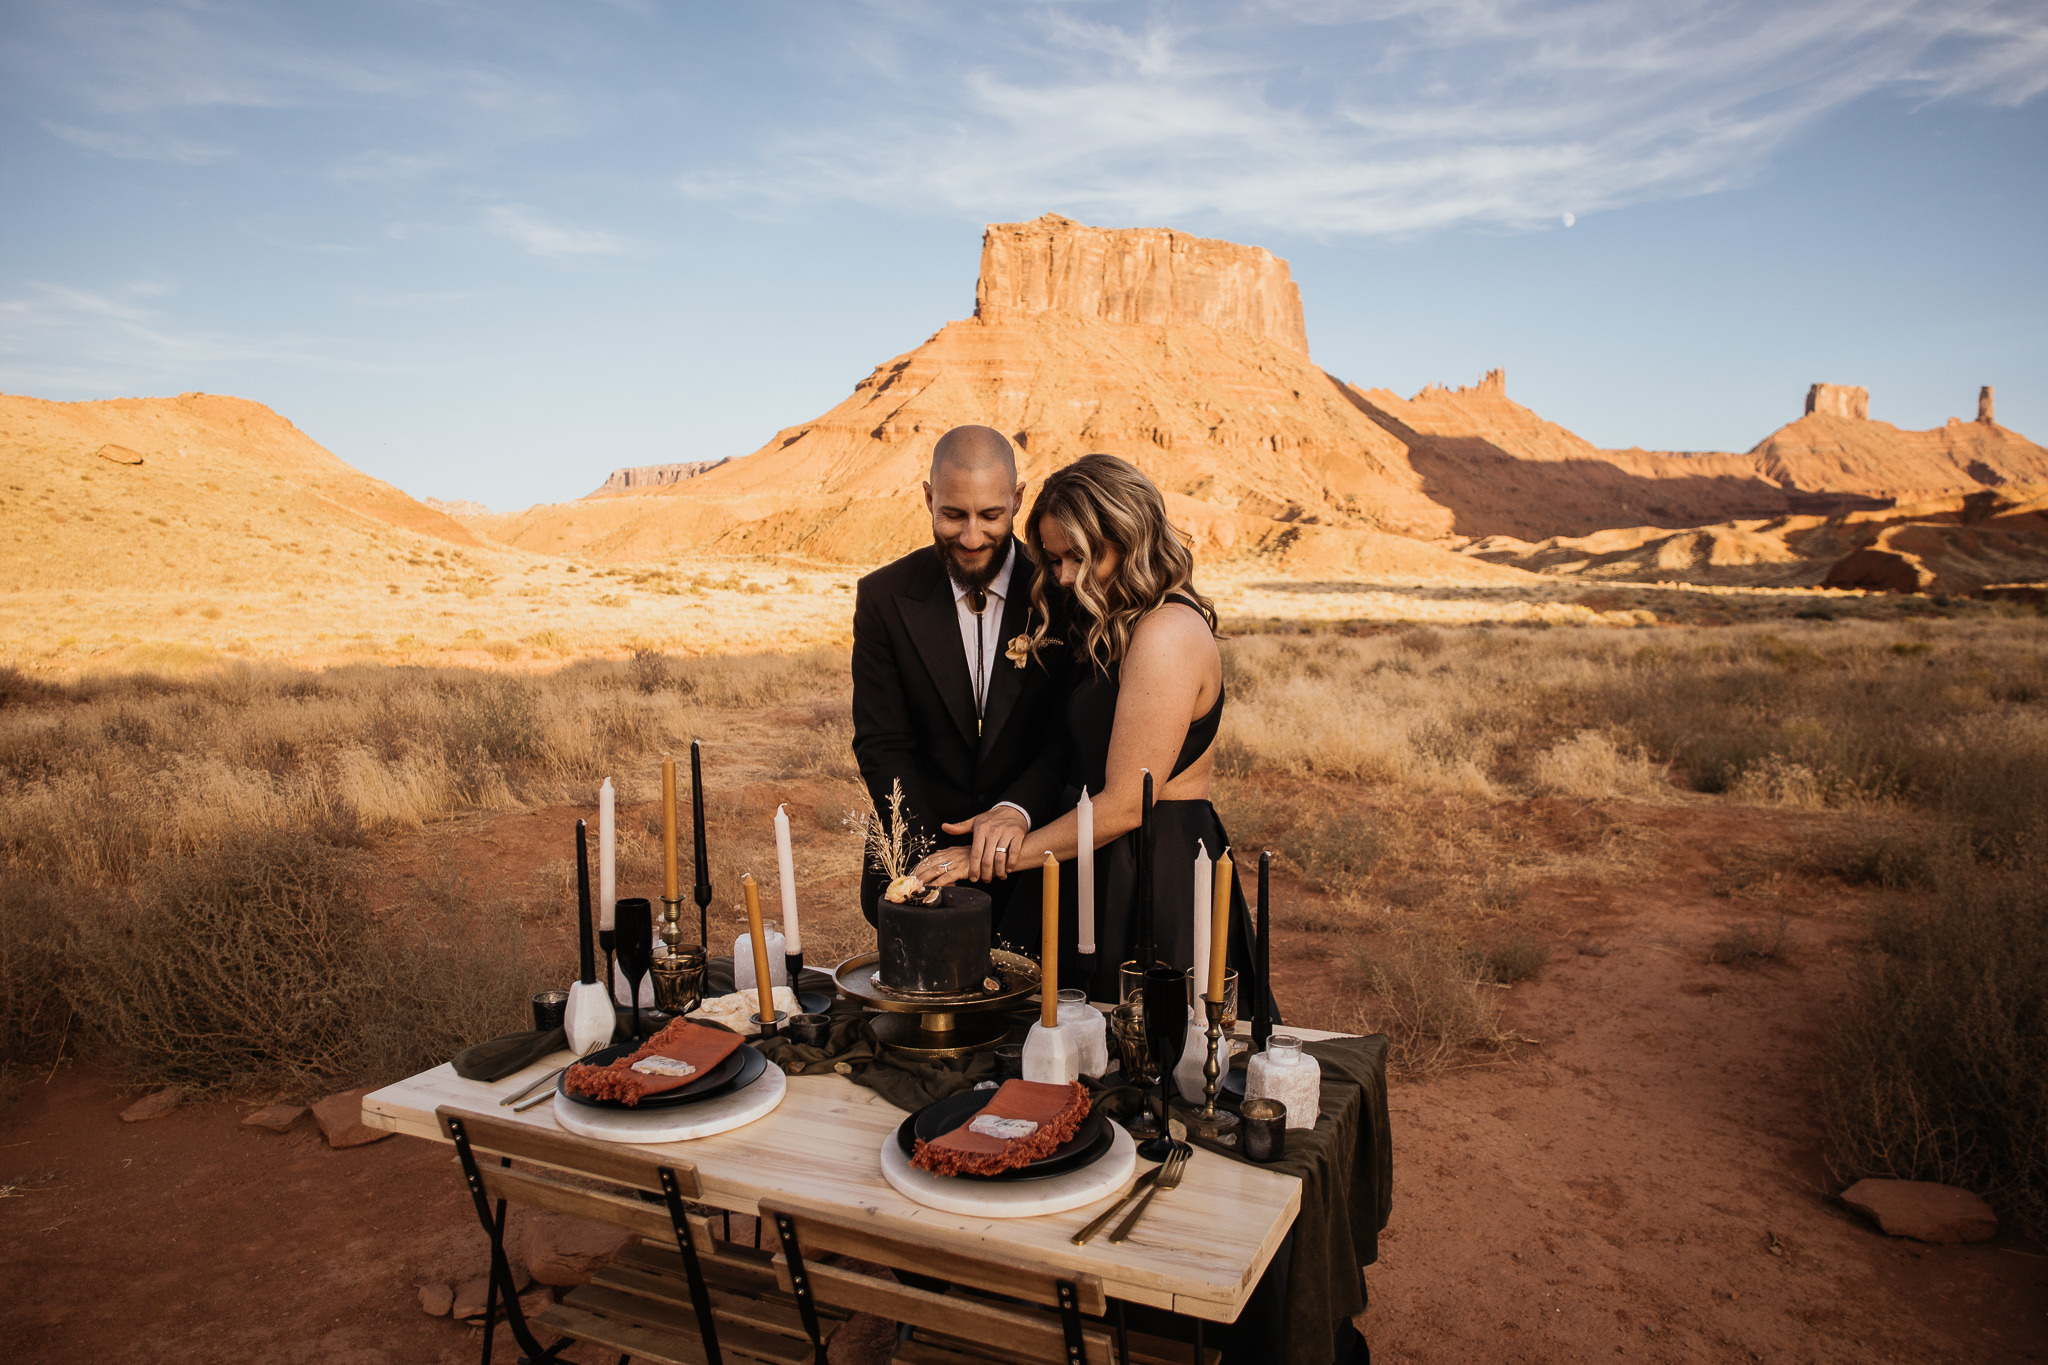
940 1025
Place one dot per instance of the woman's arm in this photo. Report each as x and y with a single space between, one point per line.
1169 677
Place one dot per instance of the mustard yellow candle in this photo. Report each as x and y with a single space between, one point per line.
760 941
1219 927
671 883
1049 946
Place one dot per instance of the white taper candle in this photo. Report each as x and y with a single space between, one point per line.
1205 890
1084 872
786 865
607 855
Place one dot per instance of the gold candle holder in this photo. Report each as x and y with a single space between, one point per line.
679 976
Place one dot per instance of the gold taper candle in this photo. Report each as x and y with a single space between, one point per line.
1219 927
1049 945
671 884
760 941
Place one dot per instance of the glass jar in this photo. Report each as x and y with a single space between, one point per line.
1090 1029
1285 1073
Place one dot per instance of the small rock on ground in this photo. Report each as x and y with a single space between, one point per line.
557 1249
436 1299
468 1299
1923 1210
341 1121
151 1106
275 1118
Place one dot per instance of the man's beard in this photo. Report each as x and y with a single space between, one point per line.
977 579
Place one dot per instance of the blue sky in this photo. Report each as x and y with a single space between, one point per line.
493 250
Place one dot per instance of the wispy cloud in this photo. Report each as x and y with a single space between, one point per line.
142 145
61 339
1379 117
519 224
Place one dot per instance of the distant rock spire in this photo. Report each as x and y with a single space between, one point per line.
1839 400
1984 406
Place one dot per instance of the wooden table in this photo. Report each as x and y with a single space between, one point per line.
1199 1251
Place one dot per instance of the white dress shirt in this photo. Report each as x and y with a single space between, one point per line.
981 666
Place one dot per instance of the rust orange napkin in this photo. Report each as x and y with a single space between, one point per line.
694 1045
1025 1120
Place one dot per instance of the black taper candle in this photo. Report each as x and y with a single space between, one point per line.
1262 956
1147 952
586 959
702 891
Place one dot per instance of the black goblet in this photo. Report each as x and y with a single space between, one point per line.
633 932
1166 1032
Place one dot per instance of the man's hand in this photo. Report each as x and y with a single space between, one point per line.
996 831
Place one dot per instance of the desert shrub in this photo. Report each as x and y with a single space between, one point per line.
243 963
1332 848
823 749
1514 956
35 1018
1590 767
1430 1000
650 670
437 978
1749 946
1938 1058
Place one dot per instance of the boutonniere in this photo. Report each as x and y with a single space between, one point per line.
1019 651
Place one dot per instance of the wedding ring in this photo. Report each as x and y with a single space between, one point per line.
1001 849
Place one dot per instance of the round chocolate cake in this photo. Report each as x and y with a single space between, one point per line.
937 949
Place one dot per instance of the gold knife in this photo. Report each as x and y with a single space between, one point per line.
1138 1187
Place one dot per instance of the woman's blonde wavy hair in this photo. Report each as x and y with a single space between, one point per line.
1101 502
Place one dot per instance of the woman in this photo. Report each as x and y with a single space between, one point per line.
1148 696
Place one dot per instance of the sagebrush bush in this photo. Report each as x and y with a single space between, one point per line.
1938 1058
35 1018
1429 995
246 963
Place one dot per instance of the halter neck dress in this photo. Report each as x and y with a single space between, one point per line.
1177 828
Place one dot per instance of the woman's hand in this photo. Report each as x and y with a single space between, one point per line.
943 868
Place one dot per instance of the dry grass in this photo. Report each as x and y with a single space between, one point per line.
1939 1056
181 869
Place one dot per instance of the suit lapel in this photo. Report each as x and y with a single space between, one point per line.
933 623
1006 680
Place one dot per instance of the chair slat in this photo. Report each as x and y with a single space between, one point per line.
553 1147
539 1191
1025 1334
627 1338
733 1338
992 1271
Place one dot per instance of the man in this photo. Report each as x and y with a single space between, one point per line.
974 737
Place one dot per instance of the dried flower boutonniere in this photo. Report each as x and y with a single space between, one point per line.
1019 651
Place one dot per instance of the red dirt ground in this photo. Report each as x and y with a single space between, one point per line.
1643 1181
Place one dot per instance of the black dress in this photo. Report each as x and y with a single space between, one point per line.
1177 828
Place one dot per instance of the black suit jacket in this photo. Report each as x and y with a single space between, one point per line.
913 707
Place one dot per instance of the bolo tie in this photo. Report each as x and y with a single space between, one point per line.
977 602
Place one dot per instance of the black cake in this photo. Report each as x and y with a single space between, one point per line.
937 949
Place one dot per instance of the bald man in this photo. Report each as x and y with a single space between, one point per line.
974 738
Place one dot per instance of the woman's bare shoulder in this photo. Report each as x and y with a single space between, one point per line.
1172 631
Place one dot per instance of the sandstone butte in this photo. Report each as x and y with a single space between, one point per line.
1187 355
1190 357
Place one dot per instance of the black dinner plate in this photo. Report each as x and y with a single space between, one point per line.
1085 1147
741 1068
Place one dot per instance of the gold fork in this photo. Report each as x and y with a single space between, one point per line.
1169 1176
1138 1187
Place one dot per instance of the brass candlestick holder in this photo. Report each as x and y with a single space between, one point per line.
1217 1125
679 976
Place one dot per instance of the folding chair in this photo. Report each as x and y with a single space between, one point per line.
995 1309
676 1297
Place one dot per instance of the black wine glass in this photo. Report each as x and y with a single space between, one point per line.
633 932
1166 1033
